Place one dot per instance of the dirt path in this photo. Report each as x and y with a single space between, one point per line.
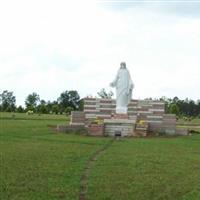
86 173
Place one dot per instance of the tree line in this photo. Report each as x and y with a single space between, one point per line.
187 108
70 100
65 103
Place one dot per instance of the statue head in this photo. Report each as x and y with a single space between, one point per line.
122 65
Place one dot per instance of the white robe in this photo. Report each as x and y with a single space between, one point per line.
124 87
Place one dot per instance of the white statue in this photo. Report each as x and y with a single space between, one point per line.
124 87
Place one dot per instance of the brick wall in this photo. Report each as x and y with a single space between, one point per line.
150 111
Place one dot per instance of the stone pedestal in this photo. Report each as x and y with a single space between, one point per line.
96 129
77 118
142 129
120 116
125 126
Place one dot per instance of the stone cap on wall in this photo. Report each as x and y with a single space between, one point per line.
123 121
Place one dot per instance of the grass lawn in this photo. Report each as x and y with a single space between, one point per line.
36 163
193 122
20 116
191 125
141 169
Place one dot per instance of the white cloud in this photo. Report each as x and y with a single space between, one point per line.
52 46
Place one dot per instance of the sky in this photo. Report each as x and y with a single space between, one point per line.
50 46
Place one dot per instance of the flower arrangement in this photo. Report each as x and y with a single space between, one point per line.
98 121
141 122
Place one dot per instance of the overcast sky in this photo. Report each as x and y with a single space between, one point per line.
49 46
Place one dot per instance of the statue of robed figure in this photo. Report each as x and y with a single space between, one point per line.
124 87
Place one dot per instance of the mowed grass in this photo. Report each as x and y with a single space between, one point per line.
37 163
193 122
191 125
20 116
153 169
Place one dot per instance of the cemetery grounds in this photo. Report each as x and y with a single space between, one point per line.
38 163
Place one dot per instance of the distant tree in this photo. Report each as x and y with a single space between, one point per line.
81 105
166 101
7 101
42 107
149 98
187 108
20 109
174 109
68 110
69 99
43 102
49 106
192 108
175 99
55 108
198 108
31 101
105 95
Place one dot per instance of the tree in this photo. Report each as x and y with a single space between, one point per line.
7 101
31 101
69 99
188 108
20 109
42 107
105 95
175 99
174 109
81 105
198 108
68 110
55 109
192 108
